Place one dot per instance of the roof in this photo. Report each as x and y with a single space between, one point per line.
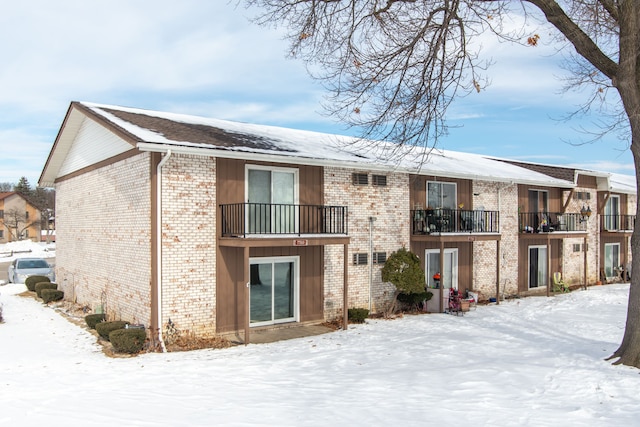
5 194
157 131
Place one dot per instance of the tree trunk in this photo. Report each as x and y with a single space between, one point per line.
627 82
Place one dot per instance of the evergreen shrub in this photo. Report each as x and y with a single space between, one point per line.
357 315
128 340
49 295
31 281
105 328
93 319
44 285
415 298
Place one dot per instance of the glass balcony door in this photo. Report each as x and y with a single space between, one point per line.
612 213
272 195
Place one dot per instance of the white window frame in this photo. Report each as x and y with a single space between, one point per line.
455 266
296 188
612 222
546 275
455 192
613 272
296 288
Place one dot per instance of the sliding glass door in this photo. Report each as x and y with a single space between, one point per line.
272 196
273 290
611 259
538 269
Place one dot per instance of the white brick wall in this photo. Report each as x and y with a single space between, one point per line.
389 205
502 197
189 243
103 246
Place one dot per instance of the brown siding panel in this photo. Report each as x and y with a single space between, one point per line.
465 260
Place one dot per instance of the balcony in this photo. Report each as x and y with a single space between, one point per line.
428 221
549 222
242 219
617 222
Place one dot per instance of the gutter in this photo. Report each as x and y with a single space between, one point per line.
164 160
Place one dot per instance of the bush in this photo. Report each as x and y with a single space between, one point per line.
93 319
31 281
357 315
49 295
415 298
105 328
128 340
44 285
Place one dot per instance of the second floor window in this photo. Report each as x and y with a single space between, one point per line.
441 195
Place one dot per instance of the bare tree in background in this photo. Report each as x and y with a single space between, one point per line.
393 67
17 223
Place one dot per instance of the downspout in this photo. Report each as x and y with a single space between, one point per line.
159 246
371 220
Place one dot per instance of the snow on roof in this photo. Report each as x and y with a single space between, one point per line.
620 183
227 138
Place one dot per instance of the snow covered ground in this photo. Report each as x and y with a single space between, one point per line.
529 362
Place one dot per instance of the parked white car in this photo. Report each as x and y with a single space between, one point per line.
22 268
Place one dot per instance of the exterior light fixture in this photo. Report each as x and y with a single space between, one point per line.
585 213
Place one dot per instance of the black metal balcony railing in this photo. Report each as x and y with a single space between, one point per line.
617 222
548 222
240 219
426 221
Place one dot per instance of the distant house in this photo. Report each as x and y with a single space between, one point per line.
19 219
218 227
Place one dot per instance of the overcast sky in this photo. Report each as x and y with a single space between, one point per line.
206 58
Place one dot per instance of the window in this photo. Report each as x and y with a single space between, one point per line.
1 213
360 179
26 215
577 247
1 234
379 257
360 259
441 195
379 180
272 194
582 195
